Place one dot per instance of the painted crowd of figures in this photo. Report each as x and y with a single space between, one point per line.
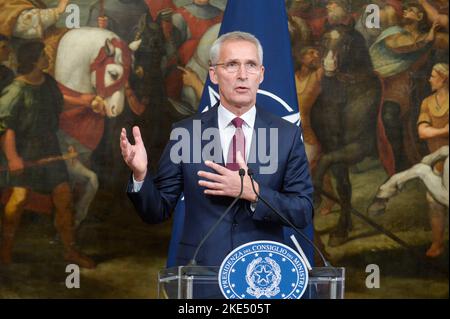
65 94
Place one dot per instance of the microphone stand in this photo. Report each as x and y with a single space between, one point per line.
193 261
287 221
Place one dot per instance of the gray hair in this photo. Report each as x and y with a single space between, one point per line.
233 36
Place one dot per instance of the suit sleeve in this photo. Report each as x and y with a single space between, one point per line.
159 194
294 200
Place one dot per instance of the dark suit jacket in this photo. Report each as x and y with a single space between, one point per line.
289 190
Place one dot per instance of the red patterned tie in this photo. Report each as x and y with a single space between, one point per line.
237 144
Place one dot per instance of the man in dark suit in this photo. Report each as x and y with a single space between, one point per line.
243 134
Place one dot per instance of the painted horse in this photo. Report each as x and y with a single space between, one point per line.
92 69
436 184
344 116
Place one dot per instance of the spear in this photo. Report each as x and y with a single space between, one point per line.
102 8
71 154
102 21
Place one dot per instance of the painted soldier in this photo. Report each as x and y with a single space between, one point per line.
31 19
29 120
190 23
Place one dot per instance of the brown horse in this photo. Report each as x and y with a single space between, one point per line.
344 116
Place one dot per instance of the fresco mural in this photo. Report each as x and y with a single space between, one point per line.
374 111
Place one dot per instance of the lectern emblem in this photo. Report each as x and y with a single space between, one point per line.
263 270
263 277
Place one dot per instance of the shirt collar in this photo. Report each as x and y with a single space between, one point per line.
225 117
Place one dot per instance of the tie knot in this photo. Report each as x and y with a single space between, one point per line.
237 122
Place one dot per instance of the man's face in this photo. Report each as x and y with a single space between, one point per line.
412 14
311 59
335 12
436 81
237 89
42 62
4 51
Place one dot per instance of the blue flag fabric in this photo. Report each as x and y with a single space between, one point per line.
267 20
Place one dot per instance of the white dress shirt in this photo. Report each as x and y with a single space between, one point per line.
226 131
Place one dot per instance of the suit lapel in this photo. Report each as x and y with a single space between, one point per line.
210 119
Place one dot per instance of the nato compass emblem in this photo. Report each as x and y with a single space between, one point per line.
263 270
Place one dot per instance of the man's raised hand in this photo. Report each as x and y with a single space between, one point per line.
135 156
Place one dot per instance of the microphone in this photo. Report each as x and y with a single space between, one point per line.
287 221
193 261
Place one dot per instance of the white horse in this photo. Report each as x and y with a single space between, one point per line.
199 64
90 62
437 185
